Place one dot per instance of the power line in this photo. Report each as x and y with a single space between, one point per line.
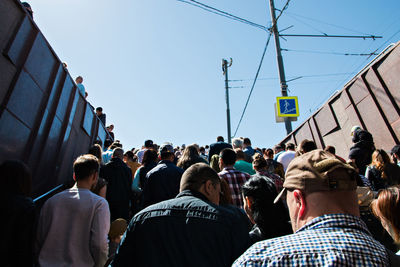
222 13
330 53
322 22
254 83
283 9
303 76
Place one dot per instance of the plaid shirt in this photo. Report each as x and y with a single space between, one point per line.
328 240
275 178
235 180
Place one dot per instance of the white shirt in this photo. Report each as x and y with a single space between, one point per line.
73 228
285 158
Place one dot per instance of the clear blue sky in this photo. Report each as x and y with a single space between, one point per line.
155 65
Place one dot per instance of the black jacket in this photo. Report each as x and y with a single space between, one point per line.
119 178
216 148
185 231
162 183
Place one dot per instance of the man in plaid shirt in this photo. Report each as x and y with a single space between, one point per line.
320 192
234 178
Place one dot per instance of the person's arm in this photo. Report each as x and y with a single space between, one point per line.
99 233
136 187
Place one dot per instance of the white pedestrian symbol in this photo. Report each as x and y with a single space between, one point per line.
287 105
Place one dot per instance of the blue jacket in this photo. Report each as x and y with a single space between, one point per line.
162 183
185 231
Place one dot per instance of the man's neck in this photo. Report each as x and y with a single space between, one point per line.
83 184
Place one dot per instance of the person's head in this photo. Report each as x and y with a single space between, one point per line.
79 79
387 208
100 188
99 111
239 154
220 139
16 178
237 143
129 156
188 157
202 178
269 153
86 169
148 144
118 153
96 150
290 146
354 130
166 152
246 142
330 149
149 156
110 128
28 8
395 153
278 148
259 193
380 158
227 158
306 146
259 163
202 150
317 183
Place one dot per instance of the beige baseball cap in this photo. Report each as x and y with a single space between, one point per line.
318 171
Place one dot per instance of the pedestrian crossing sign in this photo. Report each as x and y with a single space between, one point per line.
287 106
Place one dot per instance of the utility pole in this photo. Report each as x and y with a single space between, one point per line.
225 66
282 79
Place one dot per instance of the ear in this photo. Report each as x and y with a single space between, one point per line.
300 202
208 187
249 201
74 177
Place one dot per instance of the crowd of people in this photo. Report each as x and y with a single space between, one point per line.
217 205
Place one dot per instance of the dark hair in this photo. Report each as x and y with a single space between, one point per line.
189 157
16 177
387 207
99 185
259 162
228 156
220 139
239 154
330 149
290 146
307 146
263 191
85 165
269 152
246 141
96 150
99 109
196 175
129 154
202 149
149 156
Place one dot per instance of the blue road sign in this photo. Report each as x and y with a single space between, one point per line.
287 106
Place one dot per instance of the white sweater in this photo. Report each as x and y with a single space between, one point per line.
73 228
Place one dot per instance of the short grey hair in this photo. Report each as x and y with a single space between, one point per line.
237 143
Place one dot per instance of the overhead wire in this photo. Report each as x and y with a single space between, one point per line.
303 76
254 82
222 13
329 53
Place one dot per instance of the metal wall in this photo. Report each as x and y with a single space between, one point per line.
44 120
371 100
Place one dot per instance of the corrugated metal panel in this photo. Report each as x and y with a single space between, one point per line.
371 100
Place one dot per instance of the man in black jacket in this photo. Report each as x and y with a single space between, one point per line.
190 230
162 182
119 178
215 148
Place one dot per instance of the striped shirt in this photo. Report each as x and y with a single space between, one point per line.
328 240
235 180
